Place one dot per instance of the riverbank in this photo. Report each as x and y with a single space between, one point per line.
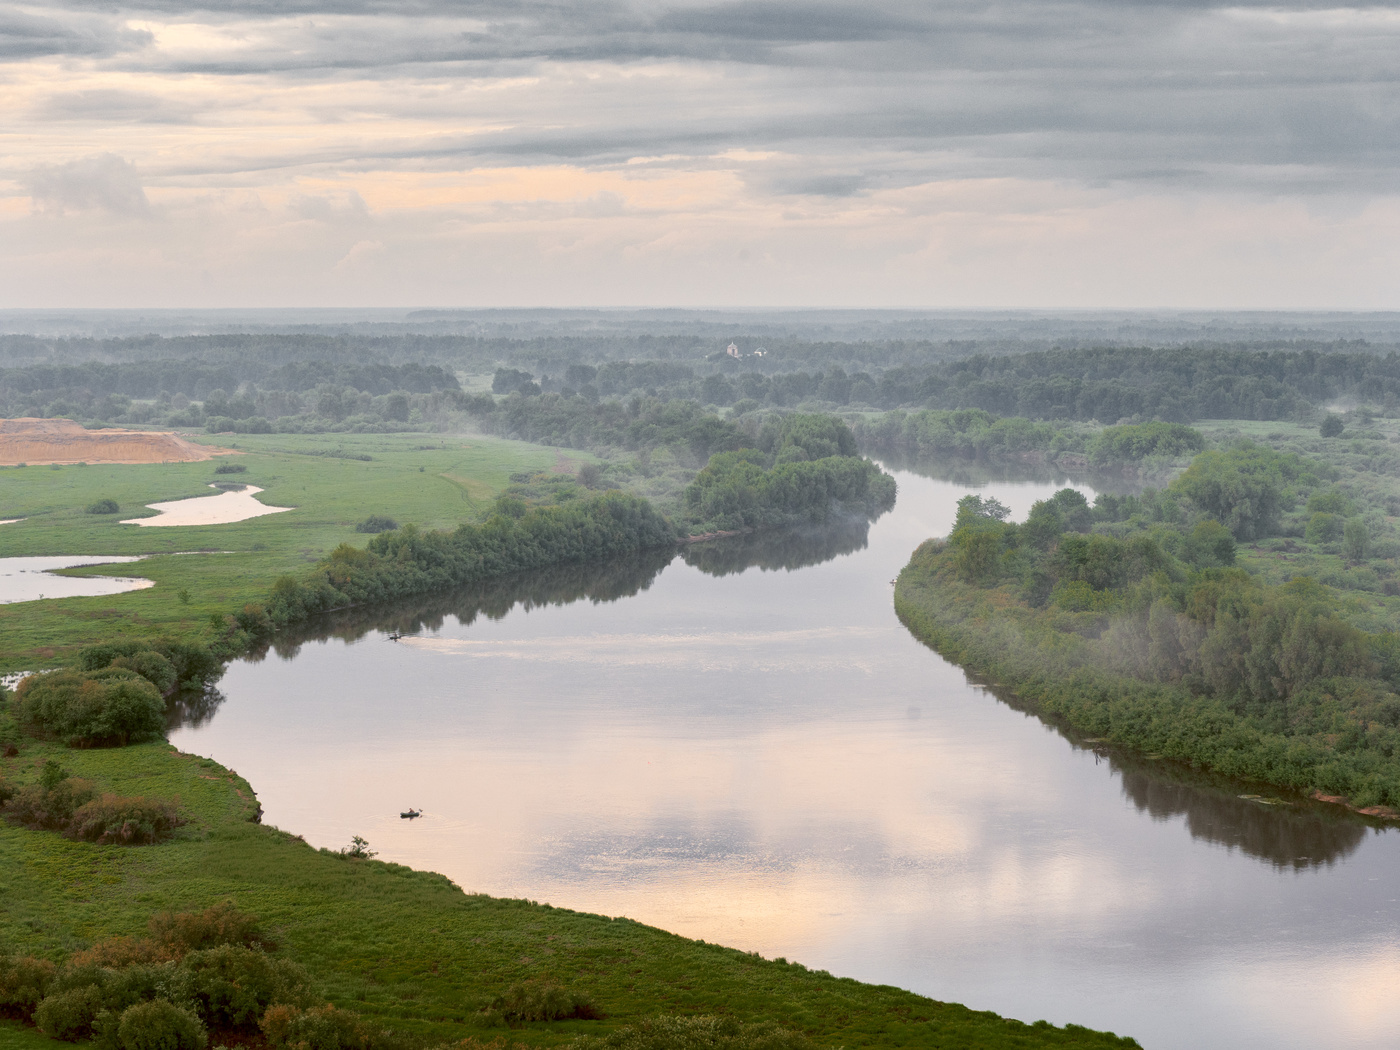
407 949
1042 656
333 482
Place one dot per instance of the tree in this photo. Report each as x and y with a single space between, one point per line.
1356 540
1331 426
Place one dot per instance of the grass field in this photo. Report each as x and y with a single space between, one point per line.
430 480
410 949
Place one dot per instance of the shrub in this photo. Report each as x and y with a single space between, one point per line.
113 819
61 803
540 1001
48 808
232 985
214 926
697 1033
1332 426
24 982
377 523
103 506
193 664
69 1015
231 468
159 1025
322 1028
151 666
1324 528
84 710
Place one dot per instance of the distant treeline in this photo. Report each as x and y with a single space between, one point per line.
976 433
327 379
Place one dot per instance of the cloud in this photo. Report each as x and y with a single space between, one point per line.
25 35
104 182
114 106
818 111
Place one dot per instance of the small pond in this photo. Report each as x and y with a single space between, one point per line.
29 579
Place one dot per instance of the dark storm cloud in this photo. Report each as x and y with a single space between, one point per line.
1183 92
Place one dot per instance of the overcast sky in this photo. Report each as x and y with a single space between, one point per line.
962 153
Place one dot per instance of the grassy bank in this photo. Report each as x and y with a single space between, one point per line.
332 482
408 949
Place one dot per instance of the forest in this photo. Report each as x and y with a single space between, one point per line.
293 382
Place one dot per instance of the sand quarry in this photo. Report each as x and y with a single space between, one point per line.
45 441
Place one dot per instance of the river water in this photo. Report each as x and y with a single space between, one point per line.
743 744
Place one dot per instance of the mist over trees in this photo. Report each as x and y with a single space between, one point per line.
317 380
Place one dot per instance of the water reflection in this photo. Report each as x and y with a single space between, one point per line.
1286 833
973 472
773 551
192 708
597 582
1289 833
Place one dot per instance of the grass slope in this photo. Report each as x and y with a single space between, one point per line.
433 481
411 949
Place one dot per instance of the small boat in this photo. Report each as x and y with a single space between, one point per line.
394 636
411 814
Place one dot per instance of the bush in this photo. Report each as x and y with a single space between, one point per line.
539 1001
103 506
377 523
231 468
1324 528
24 982
159 1025
113 819
85 710
322 1028
221 924
232 985
69 1015
47 808
1331 426
697 1033
151 666
193 664
118 953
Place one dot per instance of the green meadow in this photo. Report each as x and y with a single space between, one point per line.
431 480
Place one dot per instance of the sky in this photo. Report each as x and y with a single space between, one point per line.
957 154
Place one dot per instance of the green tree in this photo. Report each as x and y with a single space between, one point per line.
1356 540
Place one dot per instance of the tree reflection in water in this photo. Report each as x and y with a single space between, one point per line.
976 473
1288 832
192 708
1291 833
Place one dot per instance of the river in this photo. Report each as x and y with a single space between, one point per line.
743 744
